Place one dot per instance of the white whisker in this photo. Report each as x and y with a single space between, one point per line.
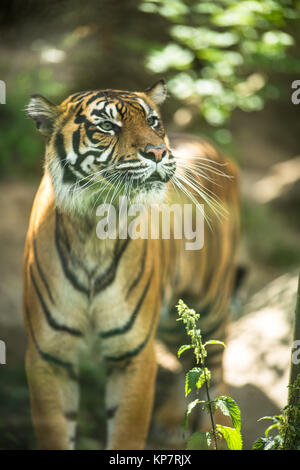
203 189
219 212
193 199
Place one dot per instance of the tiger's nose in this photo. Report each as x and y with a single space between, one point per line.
155 153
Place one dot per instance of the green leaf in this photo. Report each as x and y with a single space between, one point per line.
200 440
259 444
266 417
214 341
191 379
273 426
232 437
183 348
205 375
276 418
266 443
188 411
196 378
229 408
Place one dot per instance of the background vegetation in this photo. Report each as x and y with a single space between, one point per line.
229 66
218 57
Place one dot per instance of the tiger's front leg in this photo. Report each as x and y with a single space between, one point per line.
54 395
52 373
129 400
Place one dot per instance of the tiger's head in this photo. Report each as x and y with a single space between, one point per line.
103 144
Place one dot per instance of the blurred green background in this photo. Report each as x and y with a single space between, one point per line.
229 66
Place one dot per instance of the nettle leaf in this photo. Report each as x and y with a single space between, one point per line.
188 411
259 444
191 379
214 341
196 378
183 348
229 408
273 426
266 443
200 440
232 437
276 418
205 375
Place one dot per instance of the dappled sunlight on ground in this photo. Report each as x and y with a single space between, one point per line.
279 179
257 359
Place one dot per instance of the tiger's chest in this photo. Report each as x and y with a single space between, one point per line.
98 278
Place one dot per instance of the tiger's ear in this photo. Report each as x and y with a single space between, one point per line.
158 92
43 113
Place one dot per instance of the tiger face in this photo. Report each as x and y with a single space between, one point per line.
103 144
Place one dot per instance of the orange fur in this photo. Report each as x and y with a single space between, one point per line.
79 290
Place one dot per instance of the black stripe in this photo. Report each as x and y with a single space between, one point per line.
81 94
40 271
141 270
68 175
81 156
119 368
64 262
51 321
96 96
76 144
60 147
208 335
109 156
109 276
122 329
71 415
110 413
136 350
68 366
131 353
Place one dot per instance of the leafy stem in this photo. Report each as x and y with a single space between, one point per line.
199 376
210 410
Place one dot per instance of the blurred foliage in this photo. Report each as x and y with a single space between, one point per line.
92 416
16 431
269 236
217 56
20 146
222 54
58 47
15 425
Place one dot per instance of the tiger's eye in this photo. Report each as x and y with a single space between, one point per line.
151 120
106 125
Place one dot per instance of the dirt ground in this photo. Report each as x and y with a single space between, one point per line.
256 358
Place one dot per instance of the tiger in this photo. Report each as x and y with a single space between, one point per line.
80 290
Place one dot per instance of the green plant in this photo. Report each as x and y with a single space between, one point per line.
288 423
225 55
288 433
200 376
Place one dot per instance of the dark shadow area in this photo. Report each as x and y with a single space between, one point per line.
254 405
